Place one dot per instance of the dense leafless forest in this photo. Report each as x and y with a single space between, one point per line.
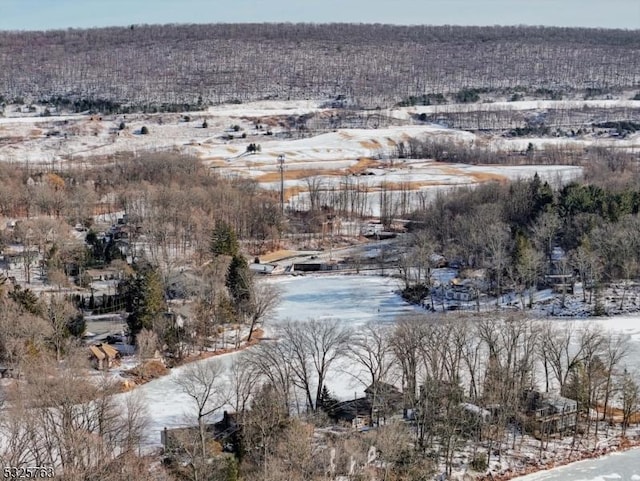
370 64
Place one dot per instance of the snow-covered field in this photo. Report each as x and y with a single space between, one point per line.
82 138
45 139
407 112
365 155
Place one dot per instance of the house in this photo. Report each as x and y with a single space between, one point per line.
99 275
354 412
561 283
103 356
381 401
549 413
315 267
226 432
262 268
384 399
461 292
476 413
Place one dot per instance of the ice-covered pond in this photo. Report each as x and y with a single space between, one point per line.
354 301
617 466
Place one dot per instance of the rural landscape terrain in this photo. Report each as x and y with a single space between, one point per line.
318 252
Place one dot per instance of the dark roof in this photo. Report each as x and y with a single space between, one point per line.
382 388
348 410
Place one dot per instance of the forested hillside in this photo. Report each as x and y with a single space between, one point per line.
178 66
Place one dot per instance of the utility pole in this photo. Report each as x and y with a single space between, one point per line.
330 222
281 168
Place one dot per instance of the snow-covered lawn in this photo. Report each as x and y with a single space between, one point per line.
266 108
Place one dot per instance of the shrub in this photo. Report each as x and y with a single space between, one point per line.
467 96
479 463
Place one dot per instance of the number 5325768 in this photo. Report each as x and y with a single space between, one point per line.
28 472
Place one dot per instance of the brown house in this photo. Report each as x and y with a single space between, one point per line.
103 356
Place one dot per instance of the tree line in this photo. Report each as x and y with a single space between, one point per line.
281 393
156 191
512 230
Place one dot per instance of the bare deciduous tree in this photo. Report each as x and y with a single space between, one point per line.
264 298
314 345
203 381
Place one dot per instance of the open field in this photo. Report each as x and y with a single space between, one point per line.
319 159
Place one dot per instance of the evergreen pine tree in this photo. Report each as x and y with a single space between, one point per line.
27 300
223 240
145 299
238 282
327 402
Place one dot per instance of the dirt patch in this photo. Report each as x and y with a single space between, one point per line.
370 144
299 174
277 255
446 169
127 385
363 164
410 185
487 177
476 176
215 162
268 120
290 192
147 371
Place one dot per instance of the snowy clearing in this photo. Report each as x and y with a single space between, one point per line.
407 112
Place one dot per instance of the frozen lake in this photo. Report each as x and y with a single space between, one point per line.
617 466
354 301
